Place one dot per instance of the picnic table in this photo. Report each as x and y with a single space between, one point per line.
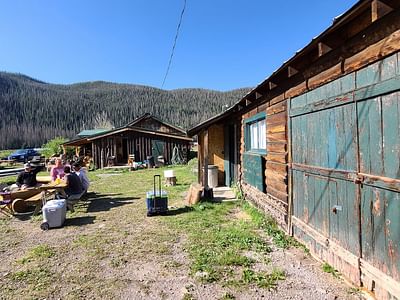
34 197
9 162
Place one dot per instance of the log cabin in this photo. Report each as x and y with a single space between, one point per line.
145 136
317 146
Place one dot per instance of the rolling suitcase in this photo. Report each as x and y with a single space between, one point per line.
156 200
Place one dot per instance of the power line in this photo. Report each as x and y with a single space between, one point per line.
173 47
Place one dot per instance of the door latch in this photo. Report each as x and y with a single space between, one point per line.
356 178
336 208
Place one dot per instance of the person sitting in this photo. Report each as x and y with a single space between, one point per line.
27 177
82 174
57 171
73 189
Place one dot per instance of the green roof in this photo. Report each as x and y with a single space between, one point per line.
90 132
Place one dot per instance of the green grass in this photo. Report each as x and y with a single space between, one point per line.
37 278
327 268
269 225
217 243
222 245
227 296
263 280
39 252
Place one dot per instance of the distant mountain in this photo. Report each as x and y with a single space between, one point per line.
32 111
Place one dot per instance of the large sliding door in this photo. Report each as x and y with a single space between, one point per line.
345 139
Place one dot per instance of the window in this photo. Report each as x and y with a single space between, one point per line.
256 135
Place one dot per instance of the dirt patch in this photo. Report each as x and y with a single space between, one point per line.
240 215
109 249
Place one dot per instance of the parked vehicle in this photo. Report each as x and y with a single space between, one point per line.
23 155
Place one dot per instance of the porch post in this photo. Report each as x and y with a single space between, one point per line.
207 192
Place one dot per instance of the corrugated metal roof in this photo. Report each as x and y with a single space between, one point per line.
90 132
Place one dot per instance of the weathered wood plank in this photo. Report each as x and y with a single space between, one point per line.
379 9
276 137
277 147
277 108
322 105
277 157
279 118
282 177
383 48
277 194
323 49
277 167
325 76
277 99
296 90
263 107
381 278
276 184
327 243
276 128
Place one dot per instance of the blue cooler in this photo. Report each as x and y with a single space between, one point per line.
156 200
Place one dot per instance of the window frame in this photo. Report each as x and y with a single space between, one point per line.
248 134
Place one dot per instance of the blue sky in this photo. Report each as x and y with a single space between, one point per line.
222 44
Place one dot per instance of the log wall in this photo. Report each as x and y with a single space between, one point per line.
139 144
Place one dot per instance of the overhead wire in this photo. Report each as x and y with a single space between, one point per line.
174 45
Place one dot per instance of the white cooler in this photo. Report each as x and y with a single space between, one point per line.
54 212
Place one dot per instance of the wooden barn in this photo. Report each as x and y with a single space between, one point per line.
317 145
143 137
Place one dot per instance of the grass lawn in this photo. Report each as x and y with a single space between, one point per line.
109 249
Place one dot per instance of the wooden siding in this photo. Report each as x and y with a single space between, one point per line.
271 194
155 125
139 144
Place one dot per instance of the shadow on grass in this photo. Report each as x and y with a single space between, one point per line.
79 221
178 211
103 202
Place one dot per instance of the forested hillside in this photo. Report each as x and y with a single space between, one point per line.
31 111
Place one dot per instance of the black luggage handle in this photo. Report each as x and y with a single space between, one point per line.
154 185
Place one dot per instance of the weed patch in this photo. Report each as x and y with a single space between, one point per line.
38 278
40 252
227 296
262 280
269 225
327 268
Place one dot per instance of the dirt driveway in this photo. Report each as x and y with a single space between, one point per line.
109 249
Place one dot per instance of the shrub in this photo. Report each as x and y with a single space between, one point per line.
53 147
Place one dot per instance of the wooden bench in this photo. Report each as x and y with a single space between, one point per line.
21 205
